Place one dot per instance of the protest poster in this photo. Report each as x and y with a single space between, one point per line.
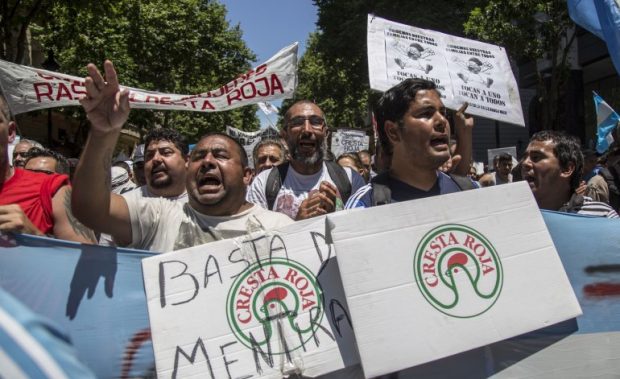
463 69
265 305
349 141
426 285
27 88
492 153
249 139
93 293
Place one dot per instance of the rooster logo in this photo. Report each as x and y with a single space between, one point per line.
276 305
458 270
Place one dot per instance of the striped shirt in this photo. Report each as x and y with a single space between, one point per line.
596 208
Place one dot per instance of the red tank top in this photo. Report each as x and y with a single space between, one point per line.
33 192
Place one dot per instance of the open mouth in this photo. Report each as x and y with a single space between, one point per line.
307 144
440 141
209 182
530 180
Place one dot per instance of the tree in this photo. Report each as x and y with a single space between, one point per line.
334 68
531 30
185 46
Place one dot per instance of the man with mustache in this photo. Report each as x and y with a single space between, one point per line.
165 156
552 166
307 186
216 180
415 136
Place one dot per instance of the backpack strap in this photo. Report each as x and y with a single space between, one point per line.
274 183
340 178
381 193
463 182
612 179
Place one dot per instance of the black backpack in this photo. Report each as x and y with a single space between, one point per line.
381 193
278 174
612 177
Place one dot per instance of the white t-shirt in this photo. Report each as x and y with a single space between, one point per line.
162 225
143 191
136 195
296 188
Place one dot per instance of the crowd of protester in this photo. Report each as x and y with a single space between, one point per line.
166 197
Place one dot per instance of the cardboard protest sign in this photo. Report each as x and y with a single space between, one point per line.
27 88
462 69
265 305
479 267
348 141
249 139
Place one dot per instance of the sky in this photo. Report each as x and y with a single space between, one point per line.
270 25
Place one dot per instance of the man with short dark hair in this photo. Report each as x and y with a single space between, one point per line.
414 133
46 161
307 186
165 156
502 173
552 166
267 153
216 181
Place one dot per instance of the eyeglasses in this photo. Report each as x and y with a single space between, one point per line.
317 122
270 158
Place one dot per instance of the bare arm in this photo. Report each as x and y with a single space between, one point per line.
107 108
464 127
66 226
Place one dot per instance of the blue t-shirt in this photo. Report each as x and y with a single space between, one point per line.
401 191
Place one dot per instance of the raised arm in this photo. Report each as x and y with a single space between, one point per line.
92 202
464 128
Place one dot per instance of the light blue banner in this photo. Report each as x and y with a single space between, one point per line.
96 294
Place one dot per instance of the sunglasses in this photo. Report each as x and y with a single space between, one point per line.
317 122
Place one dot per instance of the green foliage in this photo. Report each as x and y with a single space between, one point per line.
531 30
184 46
528 29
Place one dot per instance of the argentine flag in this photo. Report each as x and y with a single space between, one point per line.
606 121
601 18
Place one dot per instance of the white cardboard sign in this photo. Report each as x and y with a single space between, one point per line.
263 305
349 141
463 69
430 278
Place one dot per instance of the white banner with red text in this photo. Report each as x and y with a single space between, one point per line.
27 88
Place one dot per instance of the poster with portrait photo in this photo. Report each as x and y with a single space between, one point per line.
463 69
415 55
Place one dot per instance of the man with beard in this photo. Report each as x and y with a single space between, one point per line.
307 186
165 156
415 136
552 166
216 181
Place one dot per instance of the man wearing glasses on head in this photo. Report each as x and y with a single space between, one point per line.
307 186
